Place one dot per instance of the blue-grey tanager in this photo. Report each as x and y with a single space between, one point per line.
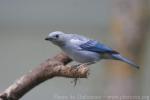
83 49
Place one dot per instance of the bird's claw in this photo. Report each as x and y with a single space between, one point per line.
87 64
83 64
77 65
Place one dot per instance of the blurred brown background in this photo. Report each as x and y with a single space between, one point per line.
121 24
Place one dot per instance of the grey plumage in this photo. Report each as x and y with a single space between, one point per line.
85 50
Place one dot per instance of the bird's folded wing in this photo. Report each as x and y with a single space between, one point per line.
95 46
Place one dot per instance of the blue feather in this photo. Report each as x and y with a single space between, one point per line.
95 46
126 60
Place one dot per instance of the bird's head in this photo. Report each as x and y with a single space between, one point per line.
56 37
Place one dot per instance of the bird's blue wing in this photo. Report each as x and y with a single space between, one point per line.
95 46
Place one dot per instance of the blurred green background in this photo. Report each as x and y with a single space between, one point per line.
25 23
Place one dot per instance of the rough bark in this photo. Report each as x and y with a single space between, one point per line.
52 67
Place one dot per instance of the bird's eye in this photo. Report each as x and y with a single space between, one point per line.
57 36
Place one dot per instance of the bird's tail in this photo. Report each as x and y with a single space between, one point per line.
121 58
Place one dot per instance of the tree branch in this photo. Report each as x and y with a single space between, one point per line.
52 67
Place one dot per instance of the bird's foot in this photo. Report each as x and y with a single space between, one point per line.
83 64
77 65
87 64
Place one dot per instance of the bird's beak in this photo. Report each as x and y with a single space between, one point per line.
47 38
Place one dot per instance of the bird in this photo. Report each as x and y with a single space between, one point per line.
85 50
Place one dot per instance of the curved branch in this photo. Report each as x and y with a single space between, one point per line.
52 67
